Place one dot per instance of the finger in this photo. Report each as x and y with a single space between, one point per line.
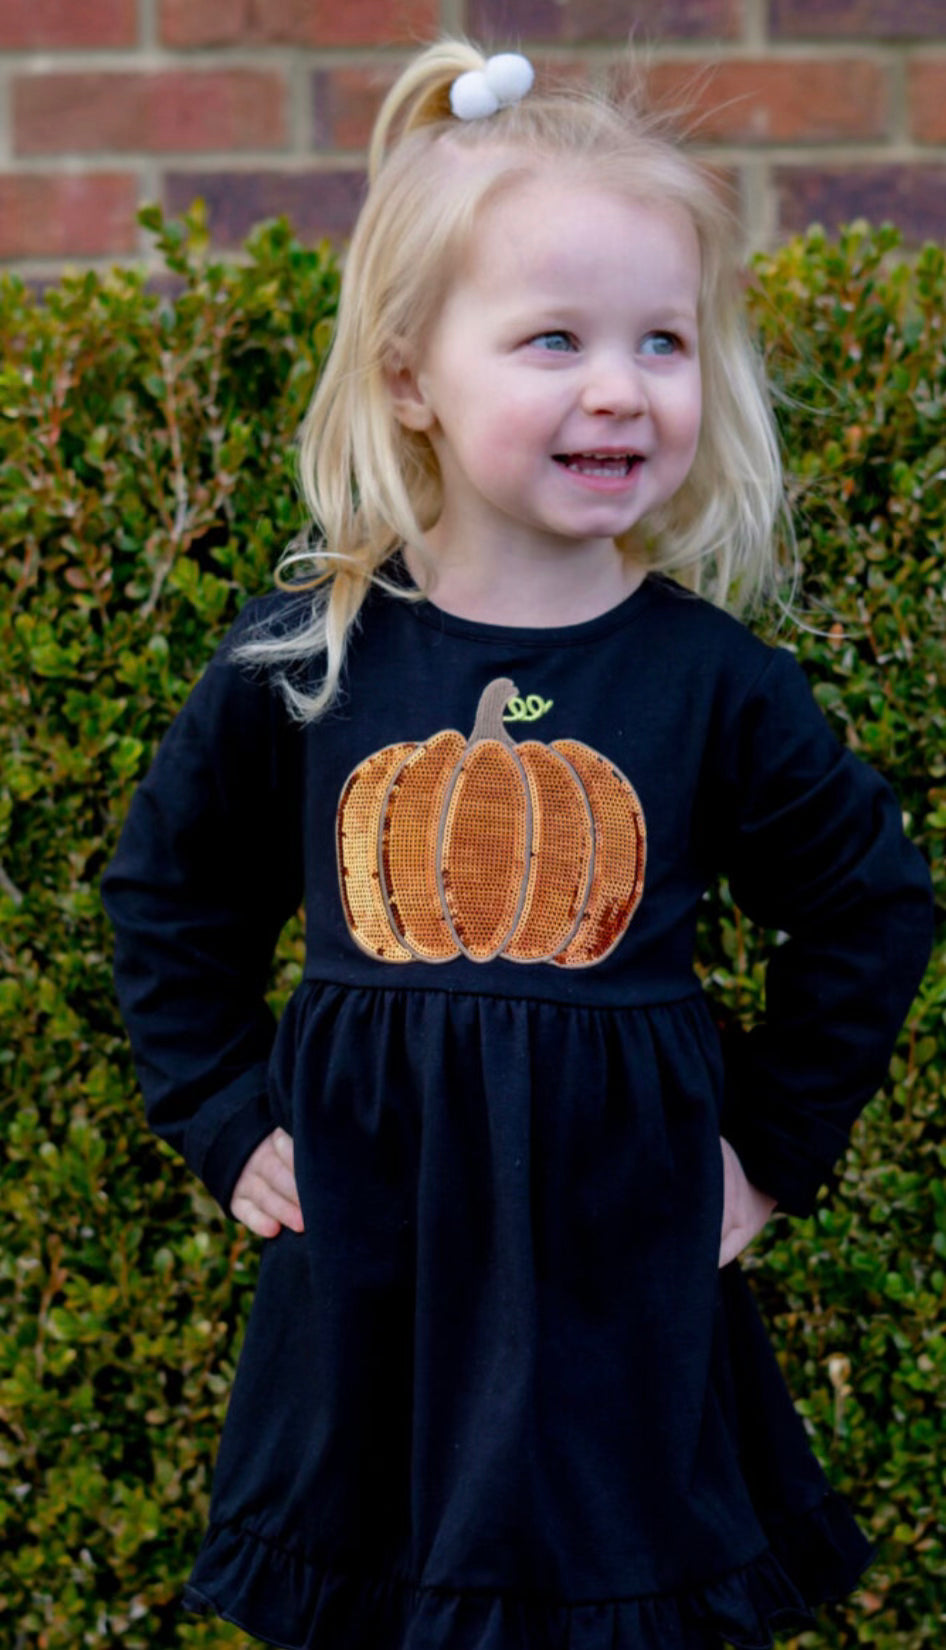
249 1214
271 1173
265 1212
282 1145
287 1210
256 1197
745 1231
272 1201
732 1245
273 1161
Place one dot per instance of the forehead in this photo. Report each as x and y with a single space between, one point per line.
555 233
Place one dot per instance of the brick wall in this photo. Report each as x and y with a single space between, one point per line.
819 109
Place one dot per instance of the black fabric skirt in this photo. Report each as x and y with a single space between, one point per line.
498 1395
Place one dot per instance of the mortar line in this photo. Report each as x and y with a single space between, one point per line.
755 25
453 17
299 109
147 26
870 152
899 104
7 157
163 59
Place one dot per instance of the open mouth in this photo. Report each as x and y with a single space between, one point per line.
598 464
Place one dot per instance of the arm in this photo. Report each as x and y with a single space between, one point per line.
813 843
207 870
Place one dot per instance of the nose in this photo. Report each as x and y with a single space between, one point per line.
614 386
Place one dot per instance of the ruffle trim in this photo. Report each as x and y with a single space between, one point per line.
278 1596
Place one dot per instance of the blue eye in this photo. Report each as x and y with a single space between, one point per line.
661 343
558 342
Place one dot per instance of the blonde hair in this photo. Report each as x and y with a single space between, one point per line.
372 485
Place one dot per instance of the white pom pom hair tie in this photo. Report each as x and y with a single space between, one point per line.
480 92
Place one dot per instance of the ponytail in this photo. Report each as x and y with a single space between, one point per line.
421 96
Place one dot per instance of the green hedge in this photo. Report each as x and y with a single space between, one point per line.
145 490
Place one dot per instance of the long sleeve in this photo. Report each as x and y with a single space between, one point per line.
813 845
207 870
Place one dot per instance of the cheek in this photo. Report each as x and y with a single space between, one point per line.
495 427
522 421
696 405
695 425
497 440
684 414
482 449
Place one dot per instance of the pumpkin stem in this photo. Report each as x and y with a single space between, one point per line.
489 712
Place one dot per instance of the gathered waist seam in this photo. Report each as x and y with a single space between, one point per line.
694 993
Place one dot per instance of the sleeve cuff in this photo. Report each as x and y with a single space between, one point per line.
226 1130
780 1160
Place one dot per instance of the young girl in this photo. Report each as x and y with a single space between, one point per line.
502 1386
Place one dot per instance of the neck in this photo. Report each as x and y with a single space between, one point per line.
496 587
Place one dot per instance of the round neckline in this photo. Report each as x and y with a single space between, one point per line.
453 624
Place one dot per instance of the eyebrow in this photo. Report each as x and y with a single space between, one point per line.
675 317
549 313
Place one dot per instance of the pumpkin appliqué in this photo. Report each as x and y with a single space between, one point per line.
486 848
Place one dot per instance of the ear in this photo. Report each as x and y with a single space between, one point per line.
404 387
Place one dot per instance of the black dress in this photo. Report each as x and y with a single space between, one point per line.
498 1395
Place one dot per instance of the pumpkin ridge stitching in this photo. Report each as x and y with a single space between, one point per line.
582 900
401 922
447 815
377 906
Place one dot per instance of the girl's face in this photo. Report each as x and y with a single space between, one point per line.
560 384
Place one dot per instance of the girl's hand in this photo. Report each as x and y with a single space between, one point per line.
745 1208
265 1197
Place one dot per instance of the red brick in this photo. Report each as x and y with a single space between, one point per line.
555 73
317 203
911 196
770 101
345 103
29 24
72 215
298 22
926 99
503 22
204 22
168 110
855 19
